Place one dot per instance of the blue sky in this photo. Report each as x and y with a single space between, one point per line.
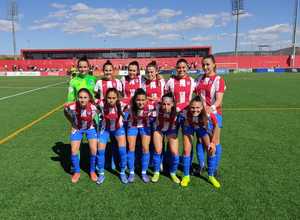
152 23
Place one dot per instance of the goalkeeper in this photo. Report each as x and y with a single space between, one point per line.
82 80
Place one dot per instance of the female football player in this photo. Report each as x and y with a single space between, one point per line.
108 81
166 124
132 81
181 85
139 119
211 88
154 84
111 125
195 120
81 114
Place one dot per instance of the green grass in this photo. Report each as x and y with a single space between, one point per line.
259 168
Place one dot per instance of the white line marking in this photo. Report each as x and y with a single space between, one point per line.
29 87
28 91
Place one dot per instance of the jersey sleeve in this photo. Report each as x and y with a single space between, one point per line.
119 86
71 92
123 82
167 87
221 85
162 84
97 86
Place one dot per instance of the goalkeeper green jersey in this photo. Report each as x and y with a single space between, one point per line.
81 81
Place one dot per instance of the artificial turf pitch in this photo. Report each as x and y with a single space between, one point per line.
260 169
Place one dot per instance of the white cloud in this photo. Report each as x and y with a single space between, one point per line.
126 23
57 5
45 26
273 36
59 14
138 11
202 38
5 26
200 21
277 28
170 37
79 7
168 13
245 15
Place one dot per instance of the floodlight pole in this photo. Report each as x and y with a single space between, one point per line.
237 9
294 33
13 16
14 38
237 30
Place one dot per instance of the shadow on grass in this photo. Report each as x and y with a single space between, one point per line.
63 156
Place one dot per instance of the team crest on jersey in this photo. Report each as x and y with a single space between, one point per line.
152 85
182 82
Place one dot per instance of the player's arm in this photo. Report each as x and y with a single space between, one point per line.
168 86
70 115
97 89
71 93
214 135
219 95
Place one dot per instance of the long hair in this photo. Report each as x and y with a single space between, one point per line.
134 106
212 58
118 103
158 77
171 96
203 115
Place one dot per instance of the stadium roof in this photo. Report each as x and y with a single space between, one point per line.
115 49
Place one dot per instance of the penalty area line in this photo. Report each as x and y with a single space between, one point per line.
15 133
31 90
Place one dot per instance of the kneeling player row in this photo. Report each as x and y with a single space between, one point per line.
101 120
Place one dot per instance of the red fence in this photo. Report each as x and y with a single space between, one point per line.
222 61
258 61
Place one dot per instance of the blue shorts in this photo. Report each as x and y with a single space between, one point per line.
104 135
78 134
219 121
134 131
190 130
168 132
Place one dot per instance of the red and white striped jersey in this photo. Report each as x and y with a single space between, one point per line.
208 87
182 89
111 119
83 116
142 118
154 89
130 86
165 121
103 85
